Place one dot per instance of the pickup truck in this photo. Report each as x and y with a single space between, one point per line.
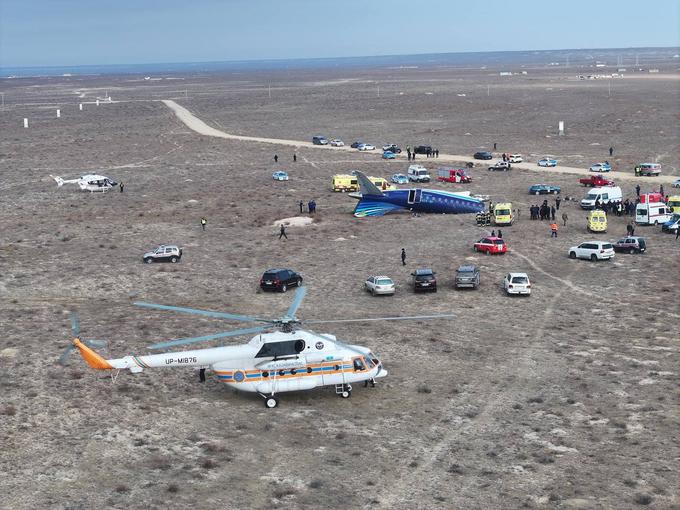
453 175
596 181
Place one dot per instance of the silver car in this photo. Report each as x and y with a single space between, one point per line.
467 276
380 285
164 253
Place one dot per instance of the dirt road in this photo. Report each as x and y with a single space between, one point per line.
197 125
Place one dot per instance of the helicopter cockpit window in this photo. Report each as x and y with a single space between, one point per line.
358 364
287 348
369 362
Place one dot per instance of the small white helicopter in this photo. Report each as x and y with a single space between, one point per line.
89 182
290 359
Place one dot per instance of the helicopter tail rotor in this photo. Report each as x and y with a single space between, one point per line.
77 342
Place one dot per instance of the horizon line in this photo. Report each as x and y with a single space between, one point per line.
347 57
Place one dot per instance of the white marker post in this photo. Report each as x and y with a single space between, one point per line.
25 123
58 113
80 107
561 128
97 102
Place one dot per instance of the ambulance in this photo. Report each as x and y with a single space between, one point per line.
345 182
502 214
597 221
673 203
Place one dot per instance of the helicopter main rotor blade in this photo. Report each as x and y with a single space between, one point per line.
207 313
205 338
297 300
75 324
370 319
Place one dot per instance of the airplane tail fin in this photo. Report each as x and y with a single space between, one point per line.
365 184
60 181
91 357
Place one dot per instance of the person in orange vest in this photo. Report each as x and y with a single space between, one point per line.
553 229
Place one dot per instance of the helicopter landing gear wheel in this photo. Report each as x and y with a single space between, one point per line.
346 391
271 402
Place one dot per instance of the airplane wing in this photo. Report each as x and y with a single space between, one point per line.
365 185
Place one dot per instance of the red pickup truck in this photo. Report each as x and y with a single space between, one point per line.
596 181
453 175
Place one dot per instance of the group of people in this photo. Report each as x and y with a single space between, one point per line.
430 153
544 211
311 206
619 208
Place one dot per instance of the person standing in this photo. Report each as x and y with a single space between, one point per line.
565 218
282 232
203 222
500 234
558 200
276 158
553 229
637 190
494 146
552 213
611 151
302 206
294 157
121 186
403 257
629 229
661 190
493 233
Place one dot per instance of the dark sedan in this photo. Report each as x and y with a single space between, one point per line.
483 155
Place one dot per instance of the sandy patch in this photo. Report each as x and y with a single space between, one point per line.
295 221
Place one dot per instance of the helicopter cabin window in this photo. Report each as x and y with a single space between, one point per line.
359 364
369 362
276 349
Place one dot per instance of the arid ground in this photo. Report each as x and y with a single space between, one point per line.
565 399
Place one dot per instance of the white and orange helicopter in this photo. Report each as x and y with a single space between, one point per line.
90 182
290 359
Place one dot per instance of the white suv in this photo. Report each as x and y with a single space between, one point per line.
517 283
164 253
593 250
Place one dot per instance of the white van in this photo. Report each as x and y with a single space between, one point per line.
652 214
418 173
605 195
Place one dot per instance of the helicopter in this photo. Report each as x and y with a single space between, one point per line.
287 359
89 182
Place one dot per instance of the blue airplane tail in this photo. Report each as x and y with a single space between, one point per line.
368 207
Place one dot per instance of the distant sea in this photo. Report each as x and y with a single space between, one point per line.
620 57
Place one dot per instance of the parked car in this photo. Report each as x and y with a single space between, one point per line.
422 149
391 147
548 162
490 245
319 140
631 245
596 181
424 279
280 279
502 166
676 183
515 158
337 143
467 276
593 250
356 144
544 189
366 147
164 253
380 285
671 225
280 176
517 283
389 155
400 179
601 167
483 155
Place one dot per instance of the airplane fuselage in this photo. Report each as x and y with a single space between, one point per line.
417 200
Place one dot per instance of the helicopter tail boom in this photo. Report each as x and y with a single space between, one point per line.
93 359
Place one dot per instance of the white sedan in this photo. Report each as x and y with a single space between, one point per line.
676 183
379 285
337 143
280 176
517 283
366 147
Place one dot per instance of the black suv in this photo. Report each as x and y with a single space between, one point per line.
423 149
483 155
280 279
423 279
467 276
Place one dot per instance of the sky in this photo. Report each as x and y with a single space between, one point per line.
79 32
